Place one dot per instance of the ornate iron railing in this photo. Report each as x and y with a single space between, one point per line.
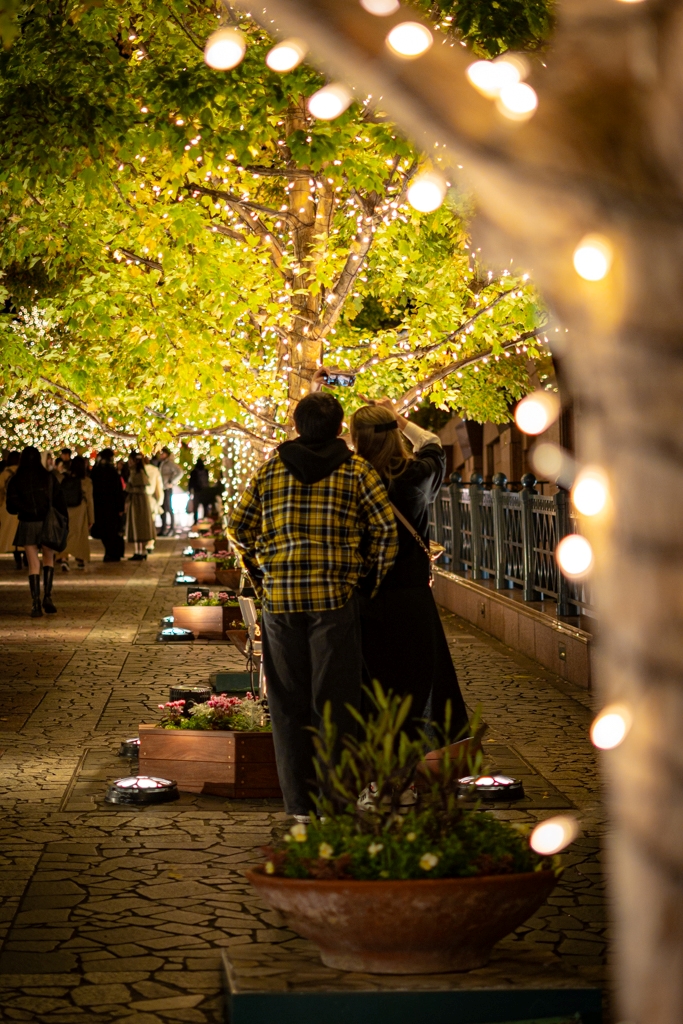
507 536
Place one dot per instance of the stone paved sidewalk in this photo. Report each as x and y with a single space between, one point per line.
120 915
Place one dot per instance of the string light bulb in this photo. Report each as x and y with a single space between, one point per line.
574 556
553 834
381 8
537 412
590 491
286 55
593 258
224 49
517 102
330 101
410 39
611 727
427 191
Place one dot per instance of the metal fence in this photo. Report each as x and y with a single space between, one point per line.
507 536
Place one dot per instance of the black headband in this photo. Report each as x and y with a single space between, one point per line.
381 428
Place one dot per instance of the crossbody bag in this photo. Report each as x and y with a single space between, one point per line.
433 552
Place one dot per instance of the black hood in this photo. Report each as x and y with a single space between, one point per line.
312 462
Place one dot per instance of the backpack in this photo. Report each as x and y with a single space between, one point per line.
72 491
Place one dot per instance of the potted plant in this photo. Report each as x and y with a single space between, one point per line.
228 572
207 617
202 566
223 747
389 880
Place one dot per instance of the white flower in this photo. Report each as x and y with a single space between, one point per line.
270 867
299 833
429 861
325 851
411 837
374 848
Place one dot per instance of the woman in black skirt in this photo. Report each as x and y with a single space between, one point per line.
28 497
404 645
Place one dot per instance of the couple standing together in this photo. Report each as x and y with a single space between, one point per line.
345 584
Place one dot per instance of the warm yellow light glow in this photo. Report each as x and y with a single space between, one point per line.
224 49
409 39
380 7
611 727
427 192
490 76
330 101
286 55
590 491
574 556
537 412
551 462
517 102
593 258
553 835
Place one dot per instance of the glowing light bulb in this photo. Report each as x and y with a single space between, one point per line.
224 49
611 727
574 556
593 258
553 462
537 412
517 102
286 55
380 7
490 76
330 101
553 835
427 192
410 39
590 491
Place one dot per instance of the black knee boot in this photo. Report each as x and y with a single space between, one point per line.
48 576
17 559
34 584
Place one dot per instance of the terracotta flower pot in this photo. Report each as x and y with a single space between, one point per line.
413 927
203 572
229 578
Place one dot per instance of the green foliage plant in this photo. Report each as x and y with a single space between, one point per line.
221 713
440 836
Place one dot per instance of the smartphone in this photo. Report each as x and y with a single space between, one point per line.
338 378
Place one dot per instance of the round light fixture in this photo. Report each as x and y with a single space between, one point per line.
553 835
224 49
188 551
517 102
593 258
173 634
182 580
141 789
491 787
192 695
590 491
330 101
537 412
130 748
427 192
574 556
286 55
380 7
489 77
611 727
410 39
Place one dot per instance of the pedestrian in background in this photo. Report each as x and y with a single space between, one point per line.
171 474
139 522
109 499
155 494
30 494
8 522
78 494
199 485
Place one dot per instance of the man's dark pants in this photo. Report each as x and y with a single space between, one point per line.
309 658
168 519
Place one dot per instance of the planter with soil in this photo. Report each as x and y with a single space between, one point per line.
207 621
417 926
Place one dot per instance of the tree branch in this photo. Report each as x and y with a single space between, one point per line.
70 398
132 257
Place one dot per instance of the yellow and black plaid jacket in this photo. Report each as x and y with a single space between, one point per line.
313 542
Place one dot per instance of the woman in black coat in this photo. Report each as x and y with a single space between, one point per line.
404 645
29 495
109 499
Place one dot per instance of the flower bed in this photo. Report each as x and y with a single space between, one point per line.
207 617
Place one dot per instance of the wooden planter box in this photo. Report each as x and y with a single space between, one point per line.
210 622
238 637
229 578
220 544
233 764
204 572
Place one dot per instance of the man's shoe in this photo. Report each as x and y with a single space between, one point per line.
302 819
34 584
48 577
65 567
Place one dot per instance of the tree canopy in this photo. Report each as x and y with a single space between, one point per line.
181 247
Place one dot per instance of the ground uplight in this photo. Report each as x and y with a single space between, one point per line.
286 55
224 49
330 101
611 727
593 258
409 39
553 835
537 412
574 556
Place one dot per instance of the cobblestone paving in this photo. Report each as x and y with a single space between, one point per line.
120 915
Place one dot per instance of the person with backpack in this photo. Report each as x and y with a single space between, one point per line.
78 494
32 495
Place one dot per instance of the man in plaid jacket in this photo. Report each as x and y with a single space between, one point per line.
312 521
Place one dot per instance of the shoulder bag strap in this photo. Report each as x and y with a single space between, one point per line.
411 530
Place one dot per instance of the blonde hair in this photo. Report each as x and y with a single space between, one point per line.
385 450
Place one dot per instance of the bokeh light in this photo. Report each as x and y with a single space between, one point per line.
593 258
380 7
574 556
553 834
590 491
611 727
224 49
286 55
409 39
537 412
517 102
427 192
330 101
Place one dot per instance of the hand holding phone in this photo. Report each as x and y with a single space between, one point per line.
339 378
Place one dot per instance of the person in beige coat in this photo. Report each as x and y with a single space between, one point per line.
140 528
8 523
82 515
155 494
